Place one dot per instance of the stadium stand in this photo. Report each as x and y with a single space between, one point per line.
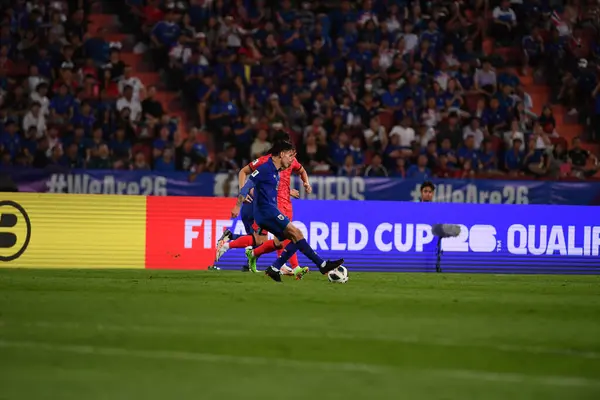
376 87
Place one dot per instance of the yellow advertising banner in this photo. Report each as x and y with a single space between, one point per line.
72 231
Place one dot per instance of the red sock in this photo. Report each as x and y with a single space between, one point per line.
267 247
241 242
294 261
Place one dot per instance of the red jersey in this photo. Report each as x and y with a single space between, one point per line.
285 177
258 162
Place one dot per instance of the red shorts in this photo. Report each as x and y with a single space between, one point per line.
258 230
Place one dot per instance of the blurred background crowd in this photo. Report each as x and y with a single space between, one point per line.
414 89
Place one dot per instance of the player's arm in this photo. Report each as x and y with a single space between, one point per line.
243 175
244 193
305 180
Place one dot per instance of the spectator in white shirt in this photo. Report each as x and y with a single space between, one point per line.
129 80
505 21
232 32
34 78
474 129
128 101
542 139
260 145
405 132
35 118
376 136
40 96
513 134
431 116
411 41
393 19
426 134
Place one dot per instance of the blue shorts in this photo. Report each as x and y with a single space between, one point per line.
247 217
274 222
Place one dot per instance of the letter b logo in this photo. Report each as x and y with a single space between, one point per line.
15 230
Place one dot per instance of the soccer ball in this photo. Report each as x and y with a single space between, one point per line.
338 275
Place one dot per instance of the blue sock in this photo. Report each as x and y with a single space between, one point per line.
234 236
288 252
310 253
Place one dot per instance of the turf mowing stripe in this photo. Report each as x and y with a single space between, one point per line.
287 363
330 335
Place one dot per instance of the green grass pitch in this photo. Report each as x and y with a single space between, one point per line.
124 334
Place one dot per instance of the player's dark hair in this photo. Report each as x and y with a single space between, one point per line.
280 146
427 184
281 136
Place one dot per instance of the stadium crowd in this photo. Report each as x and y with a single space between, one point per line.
366 87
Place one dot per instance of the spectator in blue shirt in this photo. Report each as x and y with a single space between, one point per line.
166 162
533 48
97 48
356 152
514 158
61 105
120 146
259 89
432 35
223 112
495 117
392 99
161 142
468 152
487 157
536 161
349 168
84 117
44 63
166 32
447 150
71 158
294 38
286 16
419 170
10 141
339 150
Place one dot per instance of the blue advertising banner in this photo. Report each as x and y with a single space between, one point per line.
324 187
391 236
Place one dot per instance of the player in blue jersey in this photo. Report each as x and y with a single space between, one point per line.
267 216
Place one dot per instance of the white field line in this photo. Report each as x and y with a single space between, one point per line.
468 375
295 333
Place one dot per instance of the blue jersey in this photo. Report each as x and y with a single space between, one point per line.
266 184
266 213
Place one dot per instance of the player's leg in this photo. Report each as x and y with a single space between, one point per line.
275 245
281 228
260 236
266 246
227 240
286 271
297 271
